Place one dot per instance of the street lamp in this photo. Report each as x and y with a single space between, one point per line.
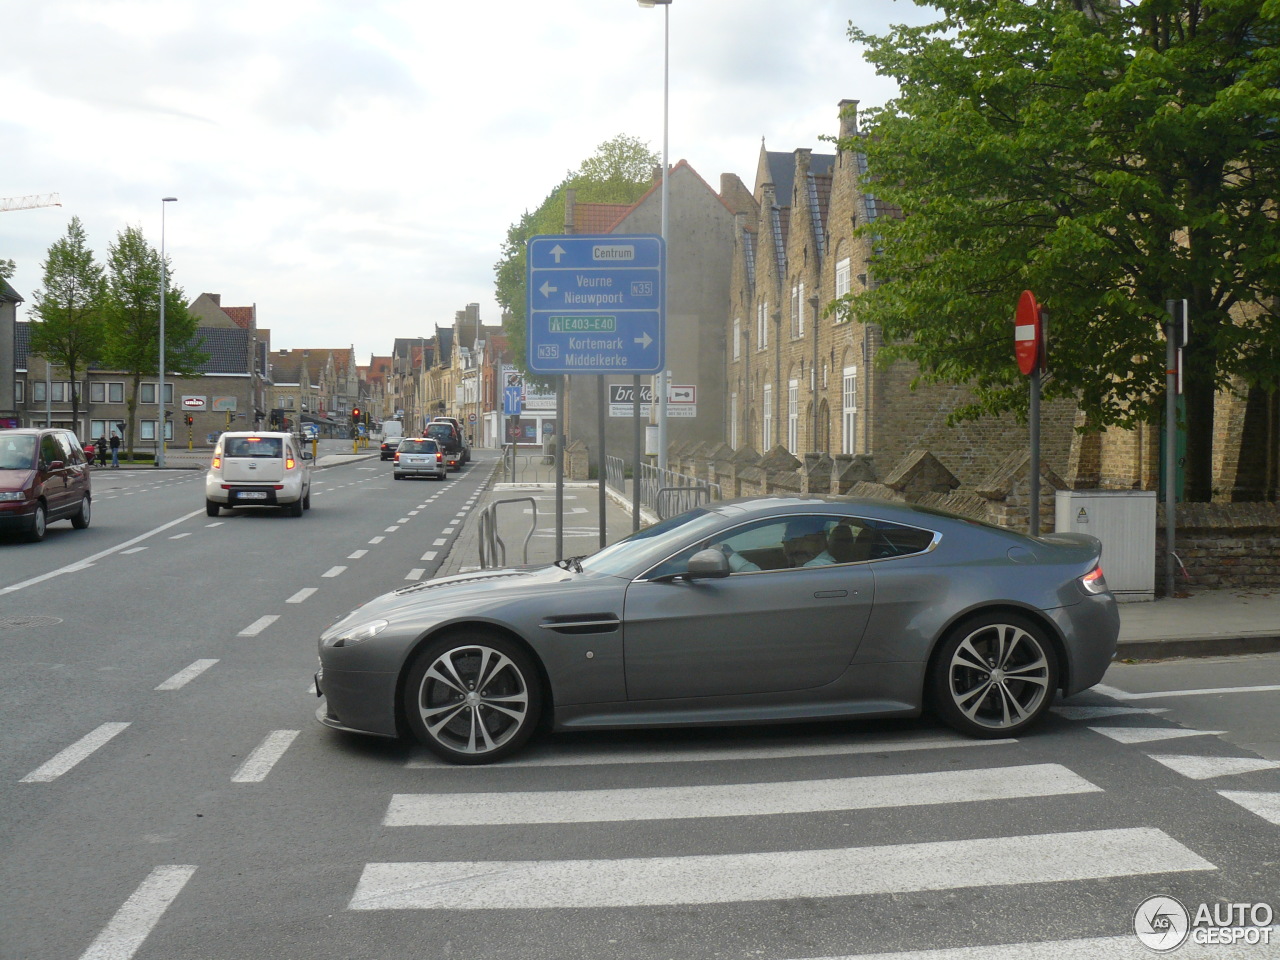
164 277
666 169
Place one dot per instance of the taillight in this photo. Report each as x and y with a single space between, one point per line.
396 458
288 463
1094 581
439 458
217 462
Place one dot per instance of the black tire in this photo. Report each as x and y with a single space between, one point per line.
994 676
211 508
306 500
81 518
294 509
490 715
39 524
397 476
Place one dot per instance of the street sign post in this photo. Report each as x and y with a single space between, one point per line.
596 304
1028 347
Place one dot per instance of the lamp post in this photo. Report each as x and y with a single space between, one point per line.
661 388
164 277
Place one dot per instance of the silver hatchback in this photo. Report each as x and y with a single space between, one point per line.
418 457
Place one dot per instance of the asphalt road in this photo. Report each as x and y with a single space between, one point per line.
166 794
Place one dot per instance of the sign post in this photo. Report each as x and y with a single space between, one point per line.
1028 347
1176 331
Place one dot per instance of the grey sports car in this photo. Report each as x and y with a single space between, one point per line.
742 611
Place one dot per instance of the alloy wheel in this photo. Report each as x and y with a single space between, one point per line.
999 677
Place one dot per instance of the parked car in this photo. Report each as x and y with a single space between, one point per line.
462 436
447 435
744 611
258 470
44 476
388 449
419 457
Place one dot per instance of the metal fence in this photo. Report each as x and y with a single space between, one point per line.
493 551
668 493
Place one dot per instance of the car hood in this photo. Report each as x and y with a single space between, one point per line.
483 593
15 479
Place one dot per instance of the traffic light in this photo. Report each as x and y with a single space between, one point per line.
355 413
189 419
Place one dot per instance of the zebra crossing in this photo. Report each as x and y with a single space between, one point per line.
902 823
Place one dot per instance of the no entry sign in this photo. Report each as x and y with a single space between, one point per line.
1028 336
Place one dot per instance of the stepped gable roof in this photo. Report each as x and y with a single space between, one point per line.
287 366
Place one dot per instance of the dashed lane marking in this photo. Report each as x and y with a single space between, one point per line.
65 759
133 922
334 572
183 677
255 628
301 595
264 756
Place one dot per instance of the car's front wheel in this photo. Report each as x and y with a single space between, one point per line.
994 676
472 699
39 523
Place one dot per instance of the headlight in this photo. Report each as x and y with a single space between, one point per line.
13 495
357 634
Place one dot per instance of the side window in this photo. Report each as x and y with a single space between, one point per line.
882 539
50 449
71 447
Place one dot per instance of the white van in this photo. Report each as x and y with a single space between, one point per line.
258 470
392 429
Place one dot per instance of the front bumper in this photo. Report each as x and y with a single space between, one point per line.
17 514
357 702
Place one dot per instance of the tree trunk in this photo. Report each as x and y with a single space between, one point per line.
133 415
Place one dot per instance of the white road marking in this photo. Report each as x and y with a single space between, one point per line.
403 520
782 875
448 530
183 677
1151 734
733 800
439 543
462 513
301 595
391 530
356 554
179 536
255 628
124 934
1206 768
334 572
377 539
65 759
413 513
259 763
1265 805
216 523
134 550
1119 694
80 564
582 756
415 574
1095 713
429 555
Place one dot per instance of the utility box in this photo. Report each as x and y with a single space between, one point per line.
1125 522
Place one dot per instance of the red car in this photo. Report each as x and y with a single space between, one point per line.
44 476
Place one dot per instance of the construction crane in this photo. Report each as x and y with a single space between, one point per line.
29 201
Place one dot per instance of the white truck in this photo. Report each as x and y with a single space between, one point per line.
392 429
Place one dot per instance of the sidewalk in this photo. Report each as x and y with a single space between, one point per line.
1208 623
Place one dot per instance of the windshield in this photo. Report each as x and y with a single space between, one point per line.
418 446
18 453
260 447
648 546
443 431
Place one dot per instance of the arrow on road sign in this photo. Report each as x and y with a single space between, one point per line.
547 289
558 251
644 341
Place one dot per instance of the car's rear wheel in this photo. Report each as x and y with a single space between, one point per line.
397 476
81 518
294 509
211 508
306 500
472 699
39 524
994 676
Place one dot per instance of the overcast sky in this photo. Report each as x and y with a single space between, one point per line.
352 166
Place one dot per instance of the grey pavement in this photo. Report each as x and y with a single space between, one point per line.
1205 623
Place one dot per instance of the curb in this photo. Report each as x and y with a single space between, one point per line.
1186 647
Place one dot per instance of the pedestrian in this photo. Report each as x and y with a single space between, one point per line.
100 448
115 450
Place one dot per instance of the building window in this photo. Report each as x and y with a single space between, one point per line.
147 430
767 413
733 420
148 394
762 325
849 418
737 338
842 277
795 311
19 391
800 305
793 415
60 390
106 391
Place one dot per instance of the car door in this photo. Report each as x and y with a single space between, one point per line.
57 480
758 631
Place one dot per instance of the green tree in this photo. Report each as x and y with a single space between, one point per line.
620 171
1106 157
69 307
7 269
133 320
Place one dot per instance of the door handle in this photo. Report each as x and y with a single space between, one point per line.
824 594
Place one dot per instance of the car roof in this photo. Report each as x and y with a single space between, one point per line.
744 508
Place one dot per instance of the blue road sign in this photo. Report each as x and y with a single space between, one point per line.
511 403
596 304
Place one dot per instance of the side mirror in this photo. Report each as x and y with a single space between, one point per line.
56 465
306 454
708 565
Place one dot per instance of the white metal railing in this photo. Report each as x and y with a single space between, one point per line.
493 551
668 493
